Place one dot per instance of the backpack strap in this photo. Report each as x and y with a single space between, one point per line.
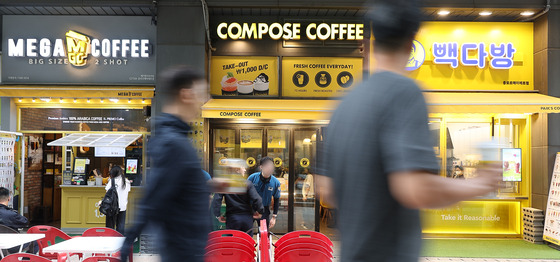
113 182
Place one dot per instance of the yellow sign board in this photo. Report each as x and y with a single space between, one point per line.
244 76
320 76
474 217
251 138
473 56
276 139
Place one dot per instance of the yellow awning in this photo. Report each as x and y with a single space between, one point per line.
18 91
438 102
269 109
498 103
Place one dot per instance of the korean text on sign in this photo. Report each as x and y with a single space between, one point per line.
501 55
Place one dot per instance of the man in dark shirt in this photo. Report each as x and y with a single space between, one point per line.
240 208
379 153
8 216
176 194
268 188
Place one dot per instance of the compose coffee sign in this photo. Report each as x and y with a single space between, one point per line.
291 31
69 49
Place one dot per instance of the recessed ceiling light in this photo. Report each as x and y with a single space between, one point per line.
33 100
527 13
485 13
101 100
443 12
114 100
19 100
143 101
61 100
129 101
75 100
46 100
88 100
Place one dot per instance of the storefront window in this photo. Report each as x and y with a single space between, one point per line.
464 139
305 142
278 150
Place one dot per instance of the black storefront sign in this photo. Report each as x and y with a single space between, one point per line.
78 50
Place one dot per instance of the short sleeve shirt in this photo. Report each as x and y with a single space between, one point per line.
379 128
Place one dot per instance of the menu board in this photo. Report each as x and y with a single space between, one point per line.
244 76
320 76
511 164
552 218
132 166
7 160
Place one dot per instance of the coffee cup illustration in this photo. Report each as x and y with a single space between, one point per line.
300 78
323 79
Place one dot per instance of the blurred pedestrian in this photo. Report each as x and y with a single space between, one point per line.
241 209
379 153
175 198
123 188
268 188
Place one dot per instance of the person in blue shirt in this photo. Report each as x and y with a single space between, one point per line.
268 187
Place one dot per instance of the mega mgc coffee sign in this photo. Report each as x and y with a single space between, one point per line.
78 50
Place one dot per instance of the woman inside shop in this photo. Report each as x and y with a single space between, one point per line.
123 188
458 174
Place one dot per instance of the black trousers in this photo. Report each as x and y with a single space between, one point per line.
266 216
116 222
242 222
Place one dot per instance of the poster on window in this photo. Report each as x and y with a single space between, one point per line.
7 160
552 218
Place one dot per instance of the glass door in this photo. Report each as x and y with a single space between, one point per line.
278 148
305 163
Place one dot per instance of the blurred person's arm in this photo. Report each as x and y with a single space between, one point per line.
409 161
217 204
419 190
325 190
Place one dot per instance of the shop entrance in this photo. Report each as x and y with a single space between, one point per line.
294 151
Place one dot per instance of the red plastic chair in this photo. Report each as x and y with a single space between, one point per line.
304 234
280 251
19 257
265 244
101 232
102 259
304 241
105 232
304 255
52 235
215 246
229 255
230 233
232 239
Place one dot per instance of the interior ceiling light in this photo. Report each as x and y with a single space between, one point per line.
61 100
114 100
46 100
527 13
129 101
143 101
75 100
33 100
485 13
443 12
88 100
19 100
101 100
